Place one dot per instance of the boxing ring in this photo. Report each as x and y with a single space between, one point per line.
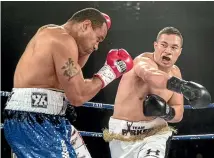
110 107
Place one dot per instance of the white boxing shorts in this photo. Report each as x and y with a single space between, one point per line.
151 146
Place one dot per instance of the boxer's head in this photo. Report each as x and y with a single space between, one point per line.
90 27
168 47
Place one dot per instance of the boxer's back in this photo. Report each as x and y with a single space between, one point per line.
36 66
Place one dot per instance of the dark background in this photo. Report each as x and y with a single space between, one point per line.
134 27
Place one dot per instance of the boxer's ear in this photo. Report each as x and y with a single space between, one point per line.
179 53
155 45
86 25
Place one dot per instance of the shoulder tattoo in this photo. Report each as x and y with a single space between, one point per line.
70 69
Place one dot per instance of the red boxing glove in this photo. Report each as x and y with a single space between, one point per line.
117 63
108 20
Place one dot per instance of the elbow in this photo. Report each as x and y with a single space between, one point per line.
141 72
76 101
77 98
177 119
180 114
147 76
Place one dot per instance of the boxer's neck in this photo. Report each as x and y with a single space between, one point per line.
71 29
164 69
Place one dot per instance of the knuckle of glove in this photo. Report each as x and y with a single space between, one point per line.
126 58
202 98
155 98
191 90
120 60
195 85
154 106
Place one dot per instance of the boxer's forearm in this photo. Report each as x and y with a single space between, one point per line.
179 109
90 88
156 78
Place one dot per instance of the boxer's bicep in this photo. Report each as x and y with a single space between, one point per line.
69 68
65 60
68 71
177 100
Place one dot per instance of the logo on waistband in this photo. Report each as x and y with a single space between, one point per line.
133 130
39 100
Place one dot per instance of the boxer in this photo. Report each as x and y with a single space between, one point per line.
149 96
48 75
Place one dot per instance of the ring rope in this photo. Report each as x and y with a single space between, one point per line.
178 137
105 106
110 106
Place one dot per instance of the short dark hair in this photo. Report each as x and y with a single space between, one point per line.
169 31
92 14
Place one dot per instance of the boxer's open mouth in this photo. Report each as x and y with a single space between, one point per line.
166 58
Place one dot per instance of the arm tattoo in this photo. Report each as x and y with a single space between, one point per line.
69 69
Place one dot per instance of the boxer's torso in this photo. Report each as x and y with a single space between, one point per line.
131 92
36 67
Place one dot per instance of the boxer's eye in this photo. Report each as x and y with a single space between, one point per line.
163 45
174 48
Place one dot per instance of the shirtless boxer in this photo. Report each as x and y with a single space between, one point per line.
49 69
149 96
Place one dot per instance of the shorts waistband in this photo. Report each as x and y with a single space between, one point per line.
37 100
133 131
124 127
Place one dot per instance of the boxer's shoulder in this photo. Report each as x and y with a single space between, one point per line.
176 71
52 31
56 35
144 57
147 54
56 40
49 27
